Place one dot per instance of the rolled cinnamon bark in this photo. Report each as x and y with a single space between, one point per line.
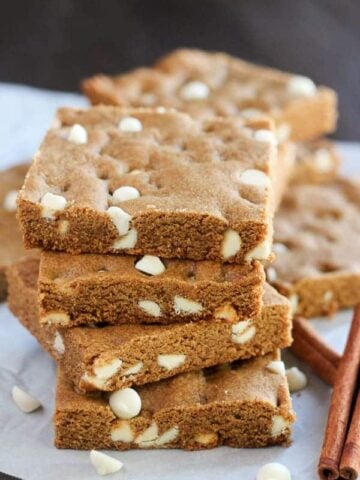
341 404
350 460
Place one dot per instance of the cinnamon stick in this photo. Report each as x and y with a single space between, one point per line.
350 460
309 347
341 403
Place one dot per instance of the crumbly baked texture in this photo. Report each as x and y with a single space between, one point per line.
241 405
234 87
316 162
11 247
88 289
113 357
199 197
317 247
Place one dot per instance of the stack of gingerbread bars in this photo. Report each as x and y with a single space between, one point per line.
154 216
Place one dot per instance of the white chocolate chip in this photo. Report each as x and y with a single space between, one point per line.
59 343
242 332
322 160
227 313
122 433
279 424
150 307
260 252
24 401
124 193
195 91
133 370
277 366
130 124
104 464
279 248
255 178
301 86
273 471
51 204
148 436
184 305
64 227
125 403
169 436
283 132
271 274
78 134
120 218
171 361
206 438
296 379
328 296
294 302
127 241
104 371
266 136
57 318
150 264
9 203
250 113
231 244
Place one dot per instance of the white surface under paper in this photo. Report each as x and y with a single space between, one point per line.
26 448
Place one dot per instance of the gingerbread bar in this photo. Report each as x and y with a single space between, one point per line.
88 289
207 84
316 162
317 247
107 180
11 247
114 357
246 404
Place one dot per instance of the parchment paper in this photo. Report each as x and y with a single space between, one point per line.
26 448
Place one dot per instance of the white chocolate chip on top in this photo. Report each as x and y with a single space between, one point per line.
322 160
130 124
171 361
195 91
122 194
301 86
120 219
78 134
296 379
125 403
266 136
104 464
58 343
231 243
127 241
150 264
260 252
122 432
254 177
273 471
277 366
186 306
51 204
150 307
24 401
9 202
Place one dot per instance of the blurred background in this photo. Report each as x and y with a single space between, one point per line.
55 43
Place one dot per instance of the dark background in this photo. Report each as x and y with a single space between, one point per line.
55 43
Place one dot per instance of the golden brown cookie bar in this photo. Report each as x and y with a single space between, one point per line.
108 180
205 84
11 247
114 357
245 404
318 247
316 162
88 289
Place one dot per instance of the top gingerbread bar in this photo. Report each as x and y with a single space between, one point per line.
112 180
206 84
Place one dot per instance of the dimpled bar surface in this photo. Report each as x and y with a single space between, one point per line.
114 357
316 162
88 289
228 87
203 188
11 247
317 246
240 405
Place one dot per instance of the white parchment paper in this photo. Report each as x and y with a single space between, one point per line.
26 448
